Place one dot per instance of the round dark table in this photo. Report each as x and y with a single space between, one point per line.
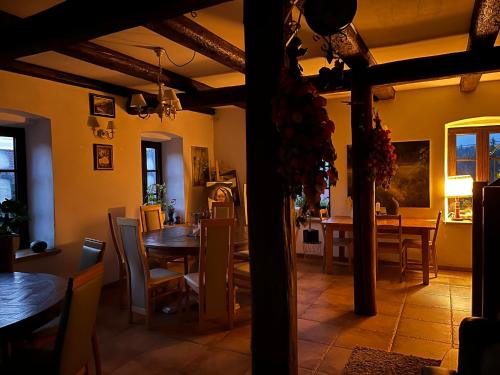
28 301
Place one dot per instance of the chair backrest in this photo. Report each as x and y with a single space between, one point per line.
216 267
113 214
136 261
323 214
223 210
151 218
72 350
438 220
92 253
389 227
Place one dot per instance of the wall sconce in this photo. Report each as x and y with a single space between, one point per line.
99 132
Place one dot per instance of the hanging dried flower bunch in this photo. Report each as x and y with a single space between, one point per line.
382 160
307 155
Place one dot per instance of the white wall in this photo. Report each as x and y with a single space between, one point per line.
173 172
82 195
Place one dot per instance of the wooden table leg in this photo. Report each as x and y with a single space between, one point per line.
329 249
341 248
425 256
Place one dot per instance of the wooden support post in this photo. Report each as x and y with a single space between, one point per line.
477 247
272 263
363 197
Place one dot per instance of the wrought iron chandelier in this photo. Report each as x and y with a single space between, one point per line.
168 102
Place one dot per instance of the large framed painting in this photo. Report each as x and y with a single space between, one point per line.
410 186
201 169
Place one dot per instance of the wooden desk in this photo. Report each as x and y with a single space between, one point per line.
342 224
28 301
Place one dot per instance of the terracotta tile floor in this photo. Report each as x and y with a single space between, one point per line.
412 319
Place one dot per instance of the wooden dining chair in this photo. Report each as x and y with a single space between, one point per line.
213 284
145 285
113 214
71 352
223 210
409 243
92 254
389 239
151 219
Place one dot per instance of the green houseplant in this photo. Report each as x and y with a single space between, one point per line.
157 194
12 215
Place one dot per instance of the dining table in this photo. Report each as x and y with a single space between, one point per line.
179 241
410 225
28 301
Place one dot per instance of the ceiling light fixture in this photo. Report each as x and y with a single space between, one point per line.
168 102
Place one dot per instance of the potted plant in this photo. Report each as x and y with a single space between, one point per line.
171 211
12 214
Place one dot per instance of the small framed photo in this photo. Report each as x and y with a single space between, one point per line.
101 105
103 157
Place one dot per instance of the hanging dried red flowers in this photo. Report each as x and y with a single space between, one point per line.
307 155
382 160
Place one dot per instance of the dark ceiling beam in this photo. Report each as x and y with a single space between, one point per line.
72 22
20 67
110 59
236 95
352 49
435 67
484 27
192 35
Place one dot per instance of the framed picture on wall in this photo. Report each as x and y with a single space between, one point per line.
201 170
101 105
411 184
103 157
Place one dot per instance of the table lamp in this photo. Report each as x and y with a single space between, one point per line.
458 187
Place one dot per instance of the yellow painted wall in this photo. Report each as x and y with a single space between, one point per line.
230 144
420 115
82 195
413 115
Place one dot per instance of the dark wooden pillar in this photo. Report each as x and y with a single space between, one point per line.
363 197
274 335
477 247
491 255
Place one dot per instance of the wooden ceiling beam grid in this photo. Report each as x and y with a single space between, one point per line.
484 27
72 22
352 49
38 71
192 35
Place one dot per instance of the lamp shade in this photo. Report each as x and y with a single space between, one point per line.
458 186
137 101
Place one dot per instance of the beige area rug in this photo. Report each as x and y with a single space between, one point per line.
365 361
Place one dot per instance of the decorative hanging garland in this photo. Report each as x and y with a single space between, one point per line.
306 153
382 160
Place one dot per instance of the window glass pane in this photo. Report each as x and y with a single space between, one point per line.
466 167
7 186
7 153
466 154
151 178
494 156
150 159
